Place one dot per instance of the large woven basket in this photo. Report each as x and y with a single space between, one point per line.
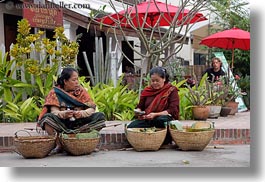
75 146
191 140
142 141
34 146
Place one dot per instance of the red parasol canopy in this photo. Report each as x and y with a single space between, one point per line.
151 13
234 38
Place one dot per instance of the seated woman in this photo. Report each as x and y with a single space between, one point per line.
160 101
68 108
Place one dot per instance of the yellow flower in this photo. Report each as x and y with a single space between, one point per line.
24 27
47 69
45 41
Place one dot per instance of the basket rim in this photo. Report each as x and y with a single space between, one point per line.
191 131
160 130
40 140
40 137
80 138
34 138
71 138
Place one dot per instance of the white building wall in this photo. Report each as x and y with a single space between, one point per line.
70 30
185 53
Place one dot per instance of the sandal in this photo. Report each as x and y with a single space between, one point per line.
56 150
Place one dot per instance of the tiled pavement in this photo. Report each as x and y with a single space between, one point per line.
234 129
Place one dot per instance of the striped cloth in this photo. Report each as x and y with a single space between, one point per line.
95 121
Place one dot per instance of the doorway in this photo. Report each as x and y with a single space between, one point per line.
128 67
10 29
87 44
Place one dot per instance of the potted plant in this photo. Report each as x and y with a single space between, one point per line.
225 110
216 93
231 92
244 84
198 96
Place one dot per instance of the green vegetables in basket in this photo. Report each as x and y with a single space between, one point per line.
148 130
92 134
176 125
200 126
65 136
144 130
197 130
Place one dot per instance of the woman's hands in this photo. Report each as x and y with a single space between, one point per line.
72 113
149 116
152 115
68 114
77 114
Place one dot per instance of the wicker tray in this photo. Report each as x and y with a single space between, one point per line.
142 141
191 140
76 146
34 146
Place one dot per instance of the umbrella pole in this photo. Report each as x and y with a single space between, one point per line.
232 66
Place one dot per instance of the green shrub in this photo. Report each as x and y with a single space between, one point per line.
22 111
184 103
117 103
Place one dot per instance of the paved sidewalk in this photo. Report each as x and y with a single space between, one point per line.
227 156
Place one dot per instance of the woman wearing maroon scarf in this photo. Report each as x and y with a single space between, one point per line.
159 100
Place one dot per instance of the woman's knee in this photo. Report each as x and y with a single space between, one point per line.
98 116
139 124
162 121
50 130
131 125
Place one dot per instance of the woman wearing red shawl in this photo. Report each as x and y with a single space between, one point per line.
160 101
68 108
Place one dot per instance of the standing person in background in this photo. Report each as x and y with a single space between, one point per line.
68 108
159 101
215 72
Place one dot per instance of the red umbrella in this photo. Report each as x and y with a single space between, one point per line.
150 13
234 38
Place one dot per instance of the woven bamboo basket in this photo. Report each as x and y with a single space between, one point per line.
142 141
76 146
34 146
191 140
